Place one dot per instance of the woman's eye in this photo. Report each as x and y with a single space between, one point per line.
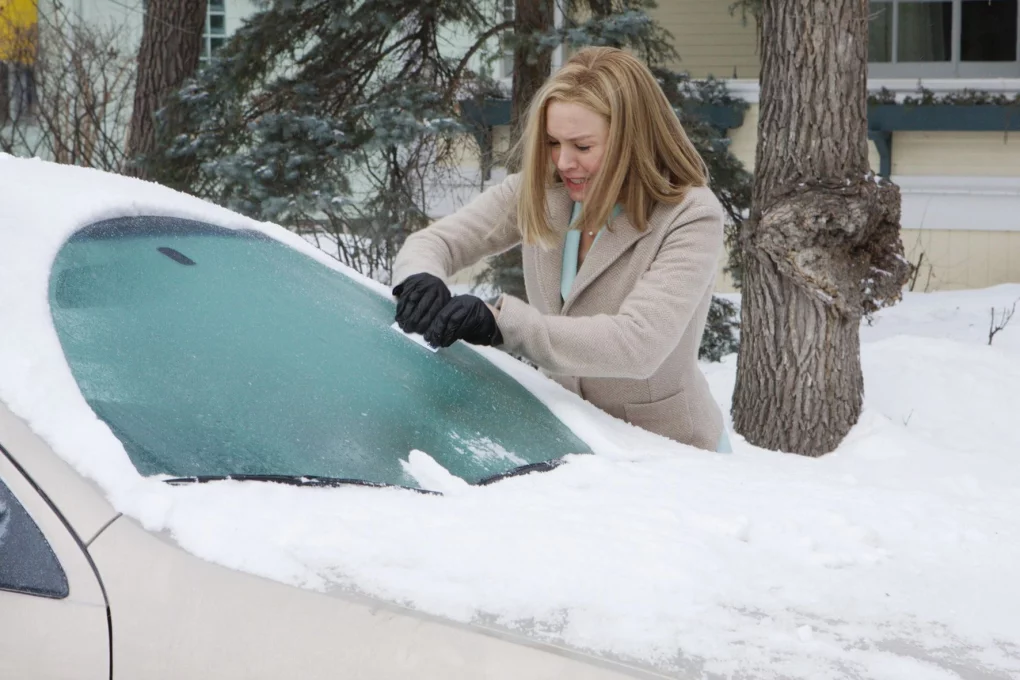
583 148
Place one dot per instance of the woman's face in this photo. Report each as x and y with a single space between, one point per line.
577 141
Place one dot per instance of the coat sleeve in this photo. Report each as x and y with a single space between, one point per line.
485 226
653 318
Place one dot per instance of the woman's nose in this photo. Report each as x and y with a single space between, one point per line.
565 161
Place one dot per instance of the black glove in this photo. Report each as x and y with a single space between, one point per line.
419 299
467 318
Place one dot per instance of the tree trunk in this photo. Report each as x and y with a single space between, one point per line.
5 93
169 53
532 63
822 245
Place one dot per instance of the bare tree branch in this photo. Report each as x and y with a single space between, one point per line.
1004 318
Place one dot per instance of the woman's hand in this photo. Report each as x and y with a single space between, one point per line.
420 297
466 318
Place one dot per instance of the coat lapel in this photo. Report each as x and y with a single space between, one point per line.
606 250
549 261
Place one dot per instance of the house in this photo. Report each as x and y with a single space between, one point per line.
67 74
958 167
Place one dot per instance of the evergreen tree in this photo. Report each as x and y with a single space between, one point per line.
330 115
338 117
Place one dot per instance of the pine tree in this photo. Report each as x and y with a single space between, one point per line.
328 116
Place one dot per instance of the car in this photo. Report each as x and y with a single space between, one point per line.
191 347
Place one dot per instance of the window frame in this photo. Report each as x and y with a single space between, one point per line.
508 10
208 36
954 68
19 512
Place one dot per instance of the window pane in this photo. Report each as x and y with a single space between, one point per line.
925 31
507 64
215 44
23 91
217 24
988 30
880 32
215 5
27 562
210 351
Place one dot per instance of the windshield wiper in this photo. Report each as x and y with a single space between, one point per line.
293 480
319 481
543 466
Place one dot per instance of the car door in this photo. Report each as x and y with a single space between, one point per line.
53 615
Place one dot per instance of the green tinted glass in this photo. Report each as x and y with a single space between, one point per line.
209 351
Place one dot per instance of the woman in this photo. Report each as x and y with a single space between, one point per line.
621 238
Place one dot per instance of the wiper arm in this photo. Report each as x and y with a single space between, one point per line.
293 480
319 481
543 466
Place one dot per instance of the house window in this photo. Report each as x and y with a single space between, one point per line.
506 62
18 96
943 39
23 92
19 42
215 29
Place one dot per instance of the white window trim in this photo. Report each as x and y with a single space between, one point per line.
954 68
207 35
959 203
749 90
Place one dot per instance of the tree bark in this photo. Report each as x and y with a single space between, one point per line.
5 89
532 66
822 245
169 53
532 63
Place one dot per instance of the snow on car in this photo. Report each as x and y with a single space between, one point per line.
218 459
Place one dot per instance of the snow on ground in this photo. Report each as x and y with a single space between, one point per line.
896 556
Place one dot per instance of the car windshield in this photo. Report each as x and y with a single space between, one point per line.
210 351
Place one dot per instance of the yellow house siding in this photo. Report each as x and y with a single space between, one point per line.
1004 258
723 283
874 160
973 154
963 258
463 153
1014 256
500 142
710 40
744 139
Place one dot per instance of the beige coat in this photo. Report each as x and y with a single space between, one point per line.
627 337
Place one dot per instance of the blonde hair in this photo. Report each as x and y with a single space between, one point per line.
648 158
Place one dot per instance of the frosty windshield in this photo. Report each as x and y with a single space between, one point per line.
211 351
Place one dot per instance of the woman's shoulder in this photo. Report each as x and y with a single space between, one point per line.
509 183
698 204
